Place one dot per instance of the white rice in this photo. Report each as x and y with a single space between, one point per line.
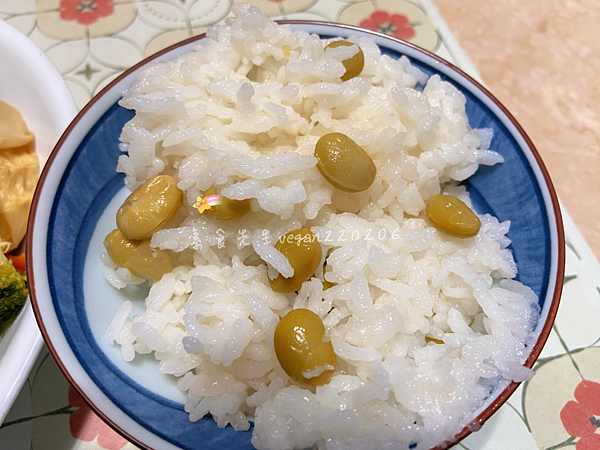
236 114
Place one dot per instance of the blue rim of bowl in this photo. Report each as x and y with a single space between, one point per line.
482 417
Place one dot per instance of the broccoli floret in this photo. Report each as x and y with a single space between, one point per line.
13 289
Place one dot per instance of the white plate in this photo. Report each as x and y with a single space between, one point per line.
31 83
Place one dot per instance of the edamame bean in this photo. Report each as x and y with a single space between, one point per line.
119 248
327 285
452 216
300 349
228 209
355 64
142 260
303 252
150 207
344 163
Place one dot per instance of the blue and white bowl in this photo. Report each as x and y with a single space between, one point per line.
74 208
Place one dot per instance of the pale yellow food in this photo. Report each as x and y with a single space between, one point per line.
148 262
228 209
353 65
150 207
119 248
19 171
344 163
142 260
304 253
13 130
327 285
452 216
301 349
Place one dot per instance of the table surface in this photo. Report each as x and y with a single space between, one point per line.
541 58
517 49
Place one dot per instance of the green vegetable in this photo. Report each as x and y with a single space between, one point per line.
13 289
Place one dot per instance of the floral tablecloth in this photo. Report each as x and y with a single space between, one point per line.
93 41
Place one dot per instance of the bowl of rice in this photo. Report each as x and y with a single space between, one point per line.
295 235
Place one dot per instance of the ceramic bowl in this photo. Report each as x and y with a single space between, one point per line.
31 83
80 191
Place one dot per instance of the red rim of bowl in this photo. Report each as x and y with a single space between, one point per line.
476 423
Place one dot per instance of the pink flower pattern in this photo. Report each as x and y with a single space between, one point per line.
580 417
395 25
85 12
85 425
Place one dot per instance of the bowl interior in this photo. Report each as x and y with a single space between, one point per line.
79 198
